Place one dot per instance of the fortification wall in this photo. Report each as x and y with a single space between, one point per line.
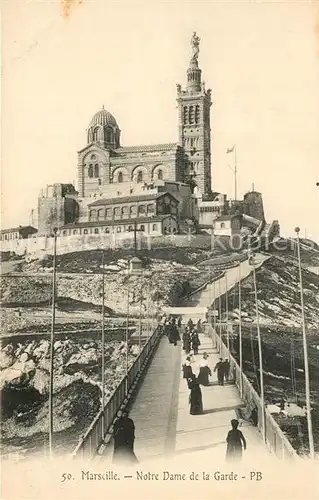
36 247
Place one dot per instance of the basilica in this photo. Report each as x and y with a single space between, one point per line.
156 189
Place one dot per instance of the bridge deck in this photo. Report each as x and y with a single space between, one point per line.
164 426
160 410
207 433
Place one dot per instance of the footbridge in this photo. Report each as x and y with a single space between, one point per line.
157 395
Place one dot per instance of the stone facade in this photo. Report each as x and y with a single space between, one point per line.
227 225
56 206
106 170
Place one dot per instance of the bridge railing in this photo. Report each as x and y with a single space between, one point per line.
276 440
93 438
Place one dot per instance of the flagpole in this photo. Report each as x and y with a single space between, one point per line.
51 387
235 161
233 150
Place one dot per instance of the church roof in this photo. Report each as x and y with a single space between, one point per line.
129 199
19 228
228 217
148 148
103 117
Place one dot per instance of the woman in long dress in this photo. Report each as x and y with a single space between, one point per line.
187 369
204 371
195 397
235 443
124 436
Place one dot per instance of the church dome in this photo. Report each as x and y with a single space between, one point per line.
103 117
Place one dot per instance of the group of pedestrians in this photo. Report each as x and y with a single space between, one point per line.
124 428
191 337
223 368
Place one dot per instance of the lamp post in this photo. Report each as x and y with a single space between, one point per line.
261 373
126 331
240 332
305 350
103 331
220 316
52 345
226 299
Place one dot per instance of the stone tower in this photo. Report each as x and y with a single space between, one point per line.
194 125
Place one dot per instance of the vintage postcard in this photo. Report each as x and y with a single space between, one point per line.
160 249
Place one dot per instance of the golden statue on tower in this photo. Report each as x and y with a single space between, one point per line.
195 45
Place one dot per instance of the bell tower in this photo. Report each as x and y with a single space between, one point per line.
194 124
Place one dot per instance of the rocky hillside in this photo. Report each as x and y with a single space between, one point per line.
164 282
77 389
280 325
279 296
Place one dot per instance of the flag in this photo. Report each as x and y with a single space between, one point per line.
230 150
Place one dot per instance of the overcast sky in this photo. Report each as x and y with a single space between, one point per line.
261 60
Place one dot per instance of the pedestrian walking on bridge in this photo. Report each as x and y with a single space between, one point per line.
219 367
235 443
226 369
173 333
204 371
124 436
195 397
195 341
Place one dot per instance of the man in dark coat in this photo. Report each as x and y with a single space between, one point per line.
195 341
124 436
190 324
173 333
226 369
220 371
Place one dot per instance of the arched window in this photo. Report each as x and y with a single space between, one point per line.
125 211
197 114
65 233
222 225
154 227
100 213
139 176
185 115
141 209
109 135
191 115
130 228
118 229
96 134
142 227
106 230
96 170
74 231
133 210
92 214
160 174
150 208
85 231
96 231
120 177
108 213
90 171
